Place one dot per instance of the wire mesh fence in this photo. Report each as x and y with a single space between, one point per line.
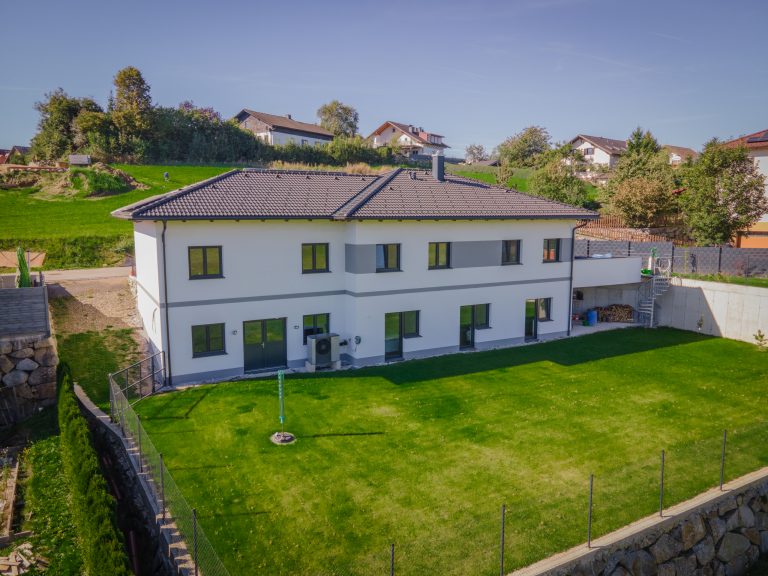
187 542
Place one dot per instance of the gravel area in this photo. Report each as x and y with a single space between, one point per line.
92 305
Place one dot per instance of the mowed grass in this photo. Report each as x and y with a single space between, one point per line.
25 216
424 453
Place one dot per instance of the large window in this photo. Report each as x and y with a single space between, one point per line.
482 316
387 257
205 262
316 324
544 309
410 324
208 340
510 251
552 250
439 255
314 258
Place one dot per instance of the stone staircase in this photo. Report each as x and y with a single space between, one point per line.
650 290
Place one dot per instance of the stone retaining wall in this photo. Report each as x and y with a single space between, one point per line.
723 537
27 375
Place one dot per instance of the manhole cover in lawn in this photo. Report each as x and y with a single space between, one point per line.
282 438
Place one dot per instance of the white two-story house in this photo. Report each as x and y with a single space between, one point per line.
278 130
235 273
413 141
599 151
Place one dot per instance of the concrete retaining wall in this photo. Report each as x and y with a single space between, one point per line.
715 308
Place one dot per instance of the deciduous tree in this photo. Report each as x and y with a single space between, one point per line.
475 153
132 108
338 118
523 148
56 130
641 200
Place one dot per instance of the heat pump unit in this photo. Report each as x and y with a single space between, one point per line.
322 351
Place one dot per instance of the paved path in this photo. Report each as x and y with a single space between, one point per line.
55 276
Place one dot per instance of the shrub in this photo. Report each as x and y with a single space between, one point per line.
92 507
641 201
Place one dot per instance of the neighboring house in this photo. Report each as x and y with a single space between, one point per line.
242 272
679 154
413 141
490 162
282 129
4 154
757 148
599 151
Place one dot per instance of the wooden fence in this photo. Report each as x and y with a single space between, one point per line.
610 227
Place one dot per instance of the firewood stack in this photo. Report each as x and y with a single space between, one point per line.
616 313
20 561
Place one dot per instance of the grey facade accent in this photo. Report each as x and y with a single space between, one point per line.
565 249
360 258
213 302
209 376
475 254
24 311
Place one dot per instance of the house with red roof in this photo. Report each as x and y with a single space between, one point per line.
756 145
414 142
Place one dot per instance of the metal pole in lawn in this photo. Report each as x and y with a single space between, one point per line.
392 560
722 460
503 515
661 487
589 517
194 530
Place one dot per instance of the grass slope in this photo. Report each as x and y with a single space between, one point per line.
742 280
424 453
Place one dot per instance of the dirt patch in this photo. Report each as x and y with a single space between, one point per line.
92 305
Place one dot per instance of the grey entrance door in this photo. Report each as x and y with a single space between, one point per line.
531 320
393 336
467 327
264 344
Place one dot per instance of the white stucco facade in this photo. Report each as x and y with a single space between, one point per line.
595 155
414 145
760 158
263 279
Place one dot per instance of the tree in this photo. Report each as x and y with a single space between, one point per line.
724 194
642 142
132 107
641 200
557 180
56 130
338 118
475 153
523 148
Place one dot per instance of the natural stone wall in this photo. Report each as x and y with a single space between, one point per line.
722 538
28 366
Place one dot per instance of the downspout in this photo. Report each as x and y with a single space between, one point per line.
169 381
573 256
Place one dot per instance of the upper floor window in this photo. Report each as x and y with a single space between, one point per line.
314 258
208 340
439 255
387 257
588 151
205 262
510 251
316 324
552 250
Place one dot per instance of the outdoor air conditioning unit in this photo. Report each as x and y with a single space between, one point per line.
322 352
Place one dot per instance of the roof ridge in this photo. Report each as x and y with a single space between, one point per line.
161 199
342 214
318 172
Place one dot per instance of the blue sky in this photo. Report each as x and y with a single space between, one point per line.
472 71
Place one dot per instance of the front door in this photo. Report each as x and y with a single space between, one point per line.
531 320
393 336
264 344
467 327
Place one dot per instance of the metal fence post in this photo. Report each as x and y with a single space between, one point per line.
722 460
138 441
111 398
152 372
661 487
162 486
672 260
719 259
194 530
589 517
503 515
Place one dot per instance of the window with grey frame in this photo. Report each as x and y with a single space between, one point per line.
387 257
316 324
205 262
551 250
510 252
208 340
439 255
544 309
314 258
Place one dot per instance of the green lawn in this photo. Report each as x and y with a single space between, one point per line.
77 231
424 453
744 281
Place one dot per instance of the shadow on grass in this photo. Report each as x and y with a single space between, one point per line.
175 402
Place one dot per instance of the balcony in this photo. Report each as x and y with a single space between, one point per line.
608 271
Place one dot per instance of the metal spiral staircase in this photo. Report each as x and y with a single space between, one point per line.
651 288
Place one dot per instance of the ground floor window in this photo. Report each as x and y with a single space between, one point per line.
410 324
316 324
207 340
544 309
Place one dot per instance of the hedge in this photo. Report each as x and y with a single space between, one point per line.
93 508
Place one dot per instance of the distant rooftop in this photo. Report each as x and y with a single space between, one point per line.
286 122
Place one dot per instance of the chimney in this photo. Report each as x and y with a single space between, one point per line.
438 167
288 116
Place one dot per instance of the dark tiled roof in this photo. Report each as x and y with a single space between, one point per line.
608 144
400 194
278 122
681 151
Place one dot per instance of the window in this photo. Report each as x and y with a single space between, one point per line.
544 309
387 257
205 262
588 151
410 323
316 324
207 340
482 316
305 142
510 251
552 250
314 258
439 255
